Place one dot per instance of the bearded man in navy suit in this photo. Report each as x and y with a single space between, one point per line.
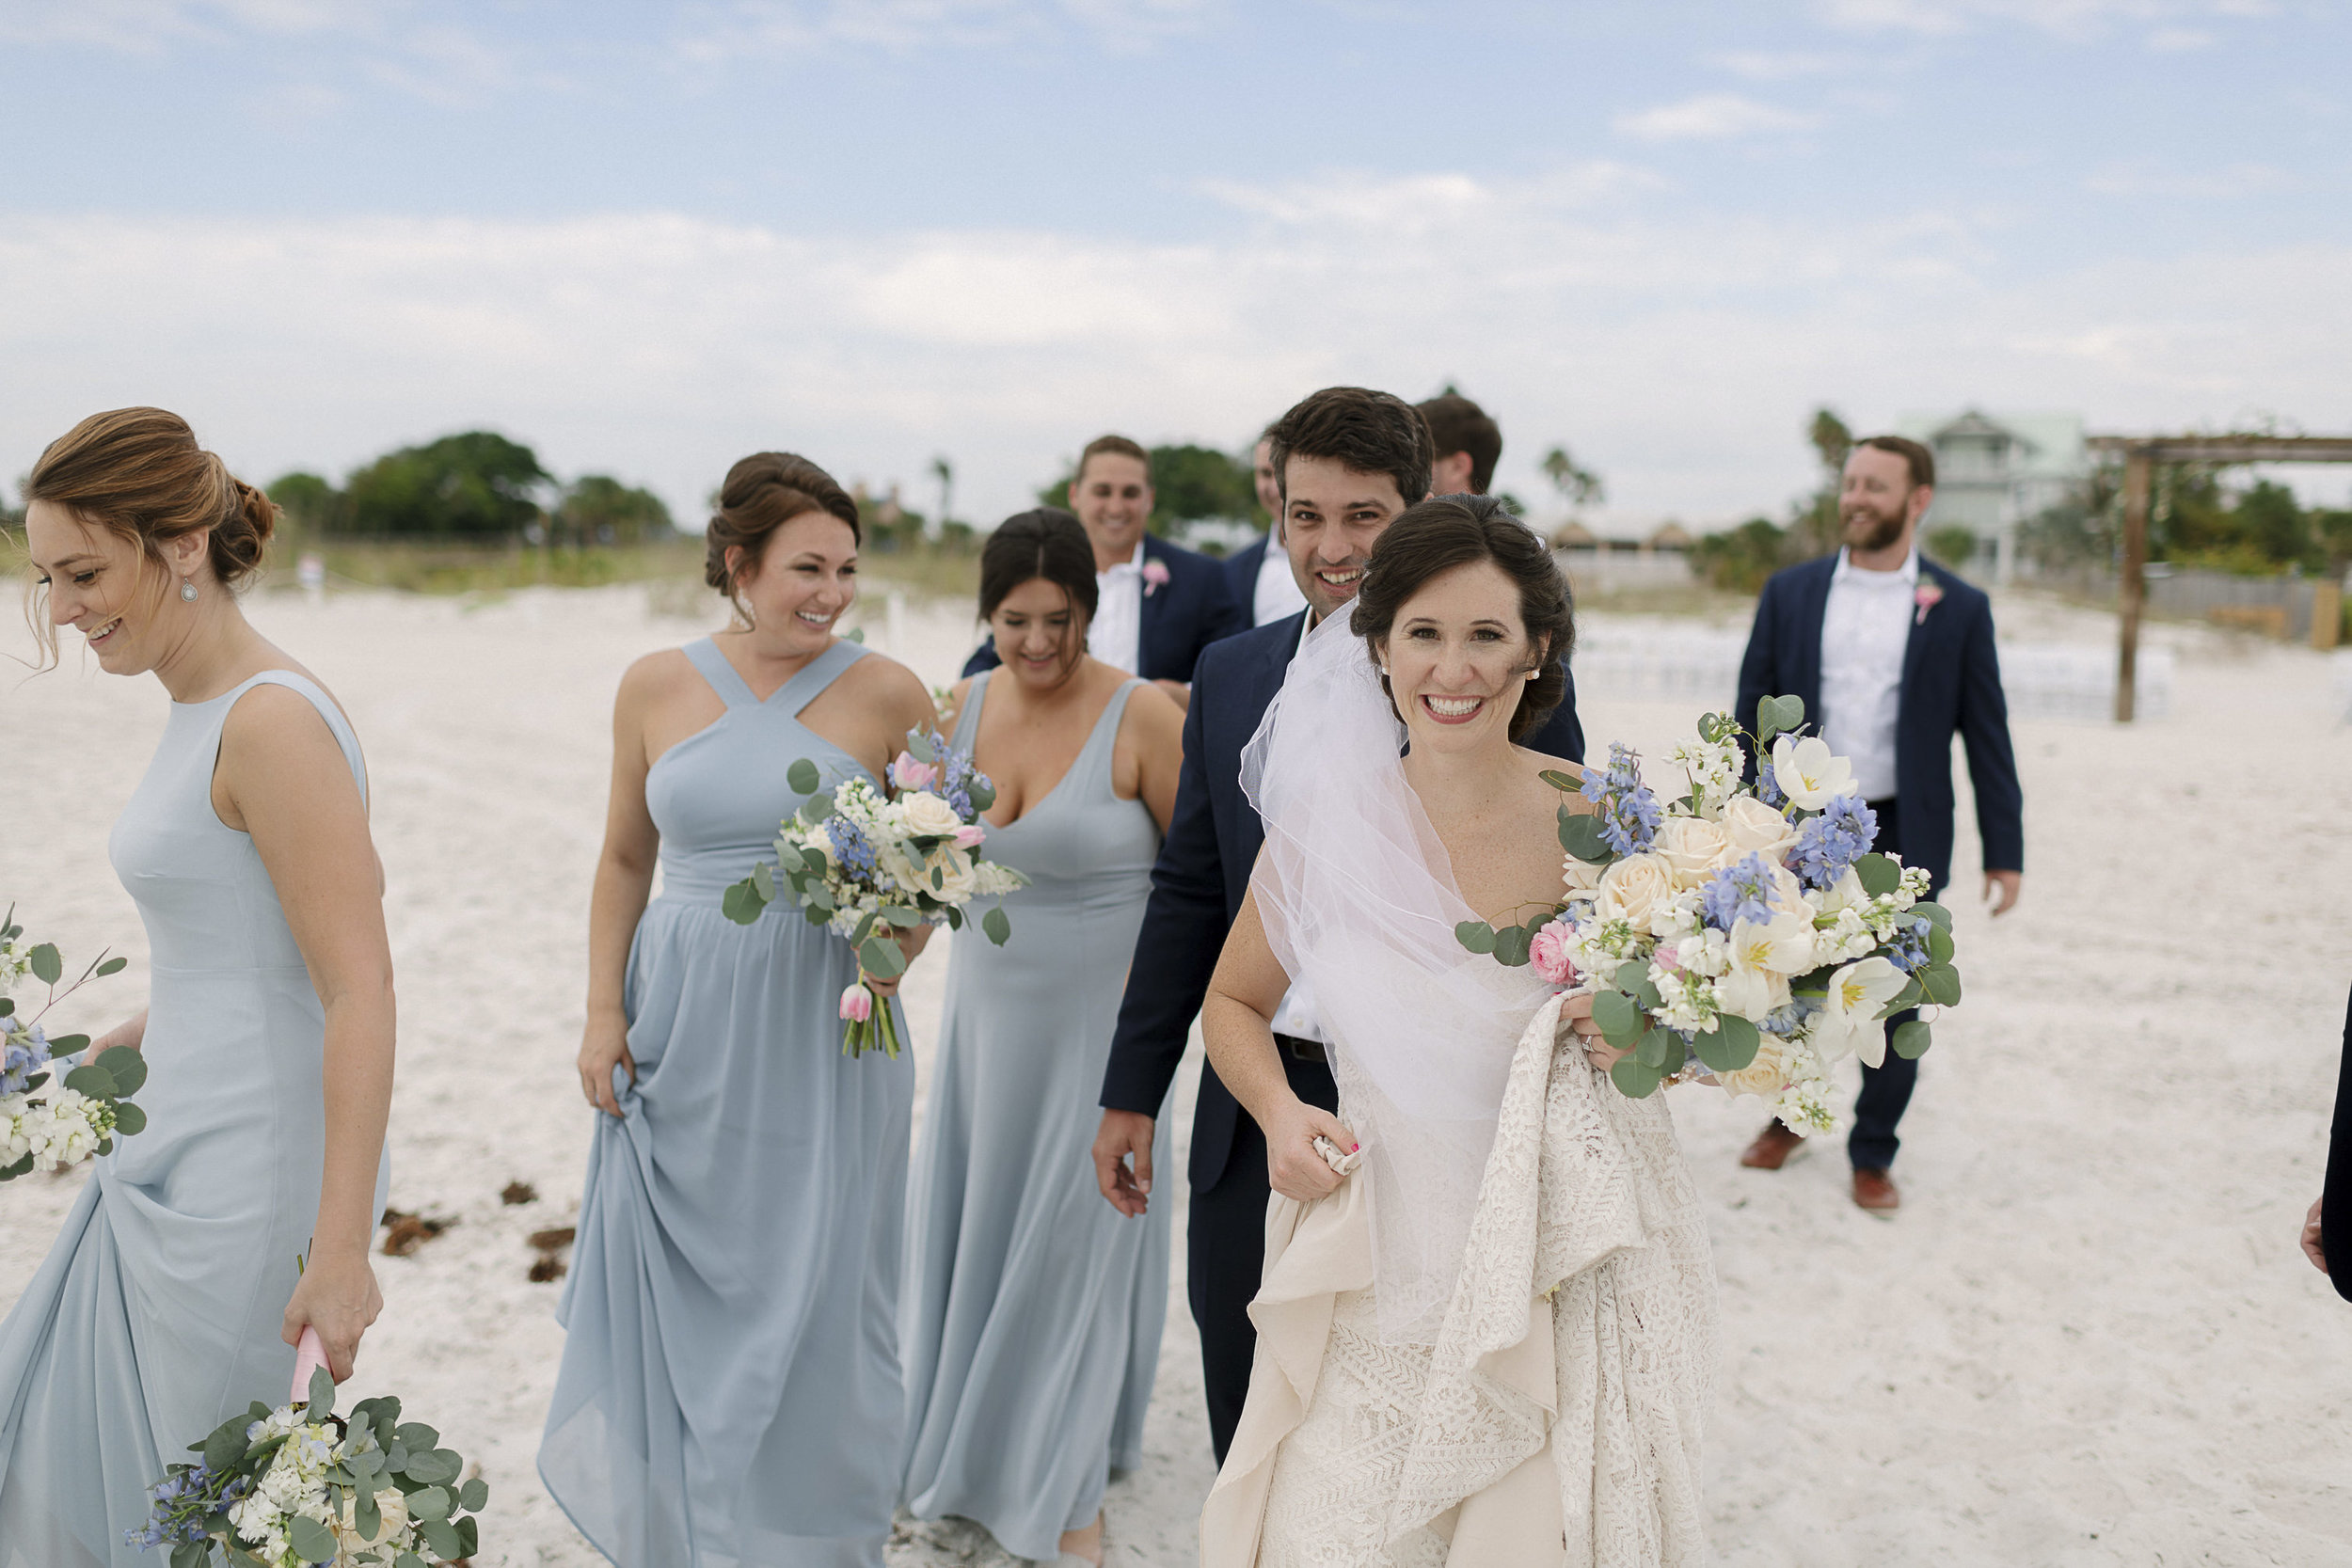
1157 605
1893 656
1348 460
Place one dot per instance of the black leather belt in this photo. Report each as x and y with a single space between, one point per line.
1305 1050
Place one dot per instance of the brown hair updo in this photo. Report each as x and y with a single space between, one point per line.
1438 535
1047 543
138 473
762 492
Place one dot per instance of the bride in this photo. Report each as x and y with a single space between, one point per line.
1493 1343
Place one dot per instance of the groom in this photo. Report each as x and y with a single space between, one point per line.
1348 461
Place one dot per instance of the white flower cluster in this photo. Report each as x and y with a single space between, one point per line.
57 1127
1732 906
915 852
295 1487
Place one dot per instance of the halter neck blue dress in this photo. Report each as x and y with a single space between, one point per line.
158 1312
729 1394
1034 1309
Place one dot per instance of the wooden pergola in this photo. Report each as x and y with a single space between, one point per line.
2140 454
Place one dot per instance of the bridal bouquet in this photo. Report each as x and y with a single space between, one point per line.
301 1485
867 865
1747 926
44 1129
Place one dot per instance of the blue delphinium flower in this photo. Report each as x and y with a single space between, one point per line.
850 846
1907 949
1629 813
1790 1019
1830 843
1768 787
1741 892
21 1053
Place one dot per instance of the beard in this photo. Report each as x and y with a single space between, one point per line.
1867 528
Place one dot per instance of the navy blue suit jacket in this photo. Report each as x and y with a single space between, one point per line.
2335 1198
1241 576
1203 876
1951 685
1182 616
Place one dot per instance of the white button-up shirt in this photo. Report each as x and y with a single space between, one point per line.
1116 636
1278 593
1865 627
1296 1015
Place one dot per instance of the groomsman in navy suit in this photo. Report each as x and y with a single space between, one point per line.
1158 604
1893 656
1348 461
1259 573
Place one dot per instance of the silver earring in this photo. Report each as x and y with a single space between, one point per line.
1533 674
187 590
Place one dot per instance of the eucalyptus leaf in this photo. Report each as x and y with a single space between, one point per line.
1731 1046
47 967
416 1438
1911 1041
1511 947
919 747
396 1456
129 1120
92 1080
1581 835
1476 935
22 1168
126 1067
955 918
764 883
1940 946
1651 1049
365 1516
1933 911
1561 782
112 966
983 795
475 1494
191 1554
1775 715
1633 1080
322 1393
6 1007
819 805
1643 989
65 1045
1880 875
820 898
864 929
468 1538
442 1539
1941 984
1619 1019
742 902
227 1444
311 1541
434 1502
411 1560
882 959
905 919
801 776
997 925
1903 1000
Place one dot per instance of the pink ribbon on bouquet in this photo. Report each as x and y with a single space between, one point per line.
309 1355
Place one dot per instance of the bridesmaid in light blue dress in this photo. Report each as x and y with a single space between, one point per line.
1033 1308
729 1395
171 1298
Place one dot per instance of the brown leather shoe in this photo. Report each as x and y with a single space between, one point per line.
1771 1148
1874 1190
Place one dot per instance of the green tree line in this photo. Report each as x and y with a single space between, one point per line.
474 487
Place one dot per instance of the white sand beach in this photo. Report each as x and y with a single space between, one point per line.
2088 1338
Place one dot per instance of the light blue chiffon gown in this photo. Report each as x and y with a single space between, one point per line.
729 1396
158 1312
1033 1308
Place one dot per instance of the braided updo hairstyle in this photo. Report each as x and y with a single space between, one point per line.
762 492
1446 532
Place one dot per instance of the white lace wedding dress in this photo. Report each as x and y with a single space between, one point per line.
1475 1352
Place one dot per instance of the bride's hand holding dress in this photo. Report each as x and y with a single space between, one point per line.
1237 1024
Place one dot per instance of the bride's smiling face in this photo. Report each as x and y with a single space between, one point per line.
1458 657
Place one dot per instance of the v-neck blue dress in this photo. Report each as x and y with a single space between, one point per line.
729 1395
1033 1308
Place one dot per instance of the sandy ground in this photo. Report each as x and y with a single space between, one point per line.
2088 1338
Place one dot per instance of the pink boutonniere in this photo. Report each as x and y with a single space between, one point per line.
1154 577
1926 596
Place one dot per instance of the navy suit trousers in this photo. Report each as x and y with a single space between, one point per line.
1885 1090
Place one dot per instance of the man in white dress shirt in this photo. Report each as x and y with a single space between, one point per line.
1893 656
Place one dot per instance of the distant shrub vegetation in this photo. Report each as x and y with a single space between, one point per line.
475 487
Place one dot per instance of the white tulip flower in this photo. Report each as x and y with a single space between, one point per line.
1849 1020
1808 772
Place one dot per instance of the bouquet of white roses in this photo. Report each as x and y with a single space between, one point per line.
45 1128
1748 926
300 1484
868 864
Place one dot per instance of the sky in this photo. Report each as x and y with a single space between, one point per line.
649 239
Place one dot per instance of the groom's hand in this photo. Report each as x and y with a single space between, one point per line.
1124 1133
2312 1249
2010 885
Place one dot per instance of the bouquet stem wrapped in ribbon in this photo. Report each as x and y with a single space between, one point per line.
44 1129
1749 927
869 866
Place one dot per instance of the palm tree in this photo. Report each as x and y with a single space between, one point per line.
1578 487
944 472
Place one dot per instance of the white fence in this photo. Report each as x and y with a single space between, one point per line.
2065 682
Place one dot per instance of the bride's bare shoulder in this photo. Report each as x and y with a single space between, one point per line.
1558 777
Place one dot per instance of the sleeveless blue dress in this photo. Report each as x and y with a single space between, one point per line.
1033 1308
729 1394
158 1313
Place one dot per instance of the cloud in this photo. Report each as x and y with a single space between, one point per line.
2180 41
1680 355
151 26
2066 19
719 34
1758 65
2152 180
1712 116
